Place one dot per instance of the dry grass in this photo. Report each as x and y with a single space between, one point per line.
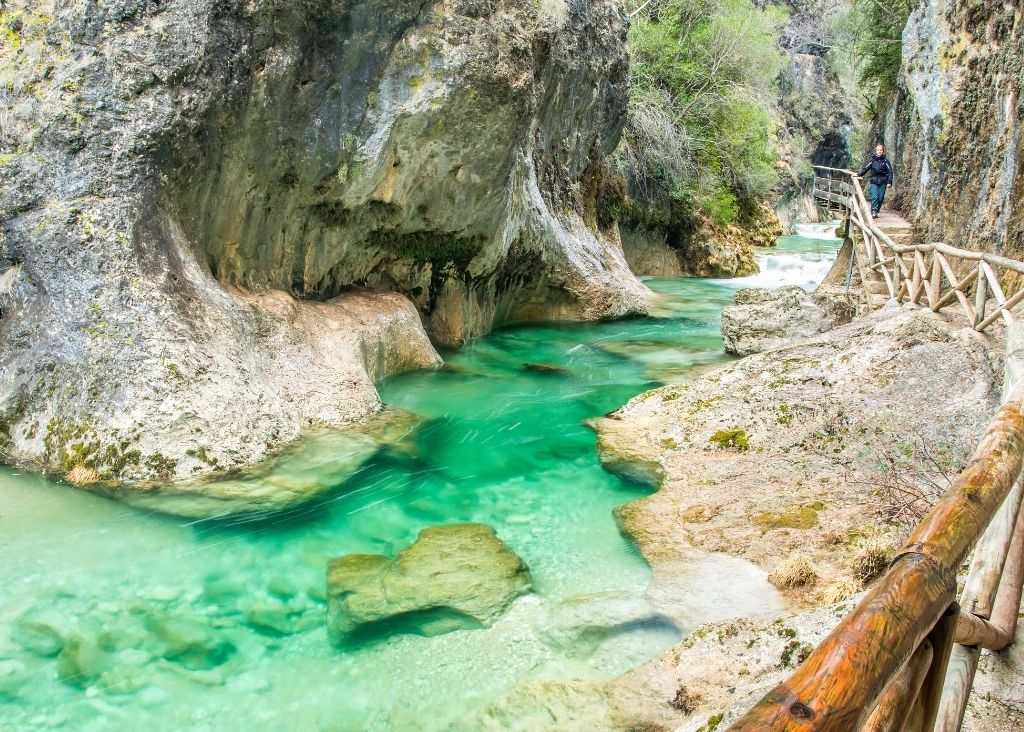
81 475
872 560
797 571
838 591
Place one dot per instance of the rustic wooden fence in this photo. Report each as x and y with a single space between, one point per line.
905 657
933 274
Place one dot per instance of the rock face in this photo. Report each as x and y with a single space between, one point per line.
665 245
222 221
954 125
763 319
813 106
453 577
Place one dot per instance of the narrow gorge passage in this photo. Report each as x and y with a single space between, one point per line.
114 618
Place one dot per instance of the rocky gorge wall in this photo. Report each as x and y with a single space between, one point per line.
953 125
813 106
221 222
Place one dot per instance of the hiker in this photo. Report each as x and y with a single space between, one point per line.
881 177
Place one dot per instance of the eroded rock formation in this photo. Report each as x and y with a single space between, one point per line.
760 320
222 221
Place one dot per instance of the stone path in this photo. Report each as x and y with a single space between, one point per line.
895 226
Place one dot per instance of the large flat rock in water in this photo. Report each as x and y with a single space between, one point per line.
764 319
454 577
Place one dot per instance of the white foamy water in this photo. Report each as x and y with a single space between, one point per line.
817 231
782 270
802 260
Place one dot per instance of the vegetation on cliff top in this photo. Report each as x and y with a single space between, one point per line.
699 133
874 31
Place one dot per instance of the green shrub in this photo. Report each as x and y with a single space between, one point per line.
873 30
698 129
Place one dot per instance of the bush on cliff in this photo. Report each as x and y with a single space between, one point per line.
873 31
699 138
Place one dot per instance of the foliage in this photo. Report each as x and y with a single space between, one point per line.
702 73
873 30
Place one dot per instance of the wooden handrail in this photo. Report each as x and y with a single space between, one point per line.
895 650
921 271
837 686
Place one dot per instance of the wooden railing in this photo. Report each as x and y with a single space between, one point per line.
933 274
904 658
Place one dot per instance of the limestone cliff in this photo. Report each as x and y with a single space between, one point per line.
953 125
220 222
813 107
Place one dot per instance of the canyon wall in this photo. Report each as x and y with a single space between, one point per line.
221 222
814 108
953 125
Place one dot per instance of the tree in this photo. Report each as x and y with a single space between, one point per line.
703 75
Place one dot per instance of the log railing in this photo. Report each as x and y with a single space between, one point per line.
936 274
904 658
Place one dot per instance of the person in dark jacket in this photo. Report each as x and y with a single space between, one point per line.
880 170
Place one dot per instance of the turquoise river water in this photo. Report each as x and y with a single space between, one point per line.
112 618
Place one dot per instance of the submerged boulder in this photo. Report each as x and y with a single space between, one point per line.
454 577
765 319
579 626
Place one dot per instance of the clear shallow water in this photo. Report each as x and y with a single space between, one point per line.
167 624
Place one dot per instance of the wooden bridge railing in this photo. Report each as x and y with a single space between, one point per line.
934 274
905 657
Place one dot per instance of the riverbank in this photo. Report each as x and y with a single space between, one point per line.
807 462
804 461
497 436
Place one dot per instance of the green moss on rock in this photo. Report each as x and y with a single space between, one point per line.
801 517
735 438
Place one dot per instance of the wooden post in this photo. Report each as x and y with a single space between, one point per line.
1006 609
982 583
956 689
936 288
997 291
941 638
848 240
896 704
980 297
917 282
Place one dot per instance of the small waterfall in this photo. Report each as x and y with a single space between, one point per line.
802 260
826 230
780 270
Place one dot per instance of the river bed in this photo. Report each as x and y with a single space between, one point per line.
113 618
